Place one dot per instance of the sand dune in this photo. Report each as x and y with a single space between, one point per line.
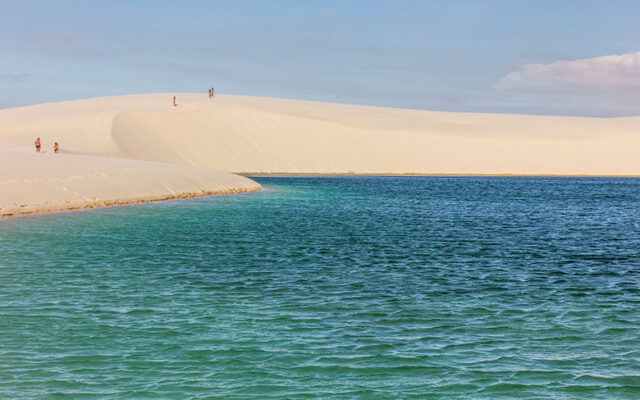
140 147
33 183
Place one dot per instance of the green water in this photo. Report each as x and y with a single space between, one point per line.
333 288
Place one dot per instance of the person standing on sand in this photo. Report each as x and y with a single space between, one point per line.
56 148
38 145
174 101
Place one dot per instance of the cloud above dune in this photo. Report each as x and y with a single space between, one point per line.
50 39
609 74
14 77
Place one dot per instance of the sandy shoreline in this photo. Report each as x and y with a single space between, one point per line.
124 202
130 149
37 183
410 174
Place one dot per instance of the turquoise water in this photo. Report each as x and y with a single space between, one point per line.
333 288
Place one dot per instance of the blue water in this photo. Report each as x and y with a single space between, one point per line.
333 288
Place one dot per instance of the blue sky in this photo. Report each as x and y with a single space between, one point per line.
536 57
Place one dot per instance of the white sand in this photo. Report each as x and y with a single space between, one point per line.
34 183
188 143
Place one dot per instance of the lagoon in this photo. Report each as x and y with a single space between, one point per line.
331 287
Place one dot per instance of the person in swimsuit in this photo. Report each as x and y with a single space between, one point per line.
38 145
174 101
56 148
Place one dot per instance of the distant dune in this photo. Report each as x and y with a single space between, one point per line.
137 148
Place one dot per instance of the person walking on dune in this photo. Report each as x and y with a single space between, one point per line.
174 101
56 148
38 145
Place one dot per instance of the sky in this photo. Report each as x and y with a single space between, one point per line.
533 57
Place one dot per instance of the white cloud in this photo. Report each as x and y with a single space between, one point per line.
14 77
605 75
52 39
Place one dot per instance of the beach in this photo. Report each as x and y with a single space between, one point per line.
138 148
38 183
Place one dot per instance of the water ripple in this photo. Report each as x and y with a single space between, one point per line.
338 288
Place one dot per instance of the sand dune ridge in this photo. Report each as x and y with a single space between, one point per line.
161 147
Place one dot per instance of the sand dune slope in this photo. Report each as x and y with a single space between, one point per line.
250 134
169 151
33 183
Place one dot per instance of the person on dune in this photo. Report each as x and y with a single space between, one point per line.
56 148
38 145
